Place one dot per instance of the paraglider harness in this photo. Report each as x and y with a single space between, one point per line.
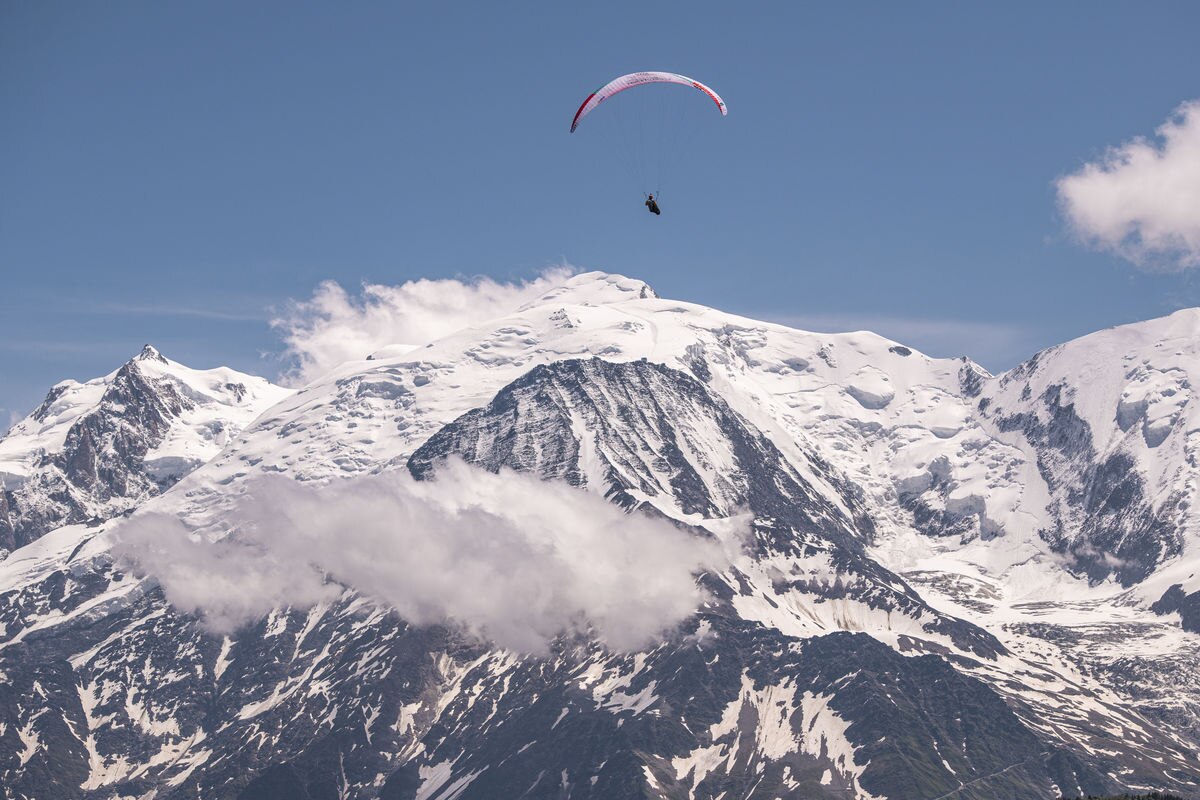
652 204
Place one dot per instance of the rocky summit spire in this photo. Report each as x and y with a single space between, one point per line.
149 353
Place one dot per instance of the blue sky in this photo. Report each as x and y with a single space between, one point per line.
170 172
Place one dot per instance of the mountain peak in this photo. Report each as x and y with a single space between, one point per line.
149 353
95 449
597 288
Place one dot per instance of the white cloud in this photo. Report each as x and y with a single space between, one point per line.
507 557
176 311
1142 199
334 327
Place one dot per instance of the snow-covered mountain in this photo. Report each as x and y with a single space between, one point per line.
955 585
94 450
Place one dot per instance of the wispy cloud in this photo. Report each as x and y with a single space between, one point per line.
511 558
334 327
1142 199
995 345
181 311
52 347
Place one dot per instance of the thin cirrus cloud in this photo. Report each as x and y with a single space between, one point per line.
182 311
1141 200
508 557
334 326
995 345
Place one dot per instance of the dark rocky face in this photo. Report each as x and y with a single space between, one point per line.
1175 600
99 471
1103 517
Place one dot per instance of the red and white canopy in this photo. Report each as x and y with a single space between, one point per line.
633 79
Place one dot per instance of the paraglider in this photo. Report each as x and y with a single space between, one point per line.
630 81
618 85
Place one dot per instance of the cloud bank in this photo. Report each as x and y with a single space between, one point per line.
334 327
1142 199
507 557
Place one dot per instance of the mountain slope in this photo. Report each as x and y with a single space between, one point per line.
1115 429
643 433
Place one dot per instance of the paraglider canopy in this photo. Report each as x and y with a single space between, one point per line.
618 85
